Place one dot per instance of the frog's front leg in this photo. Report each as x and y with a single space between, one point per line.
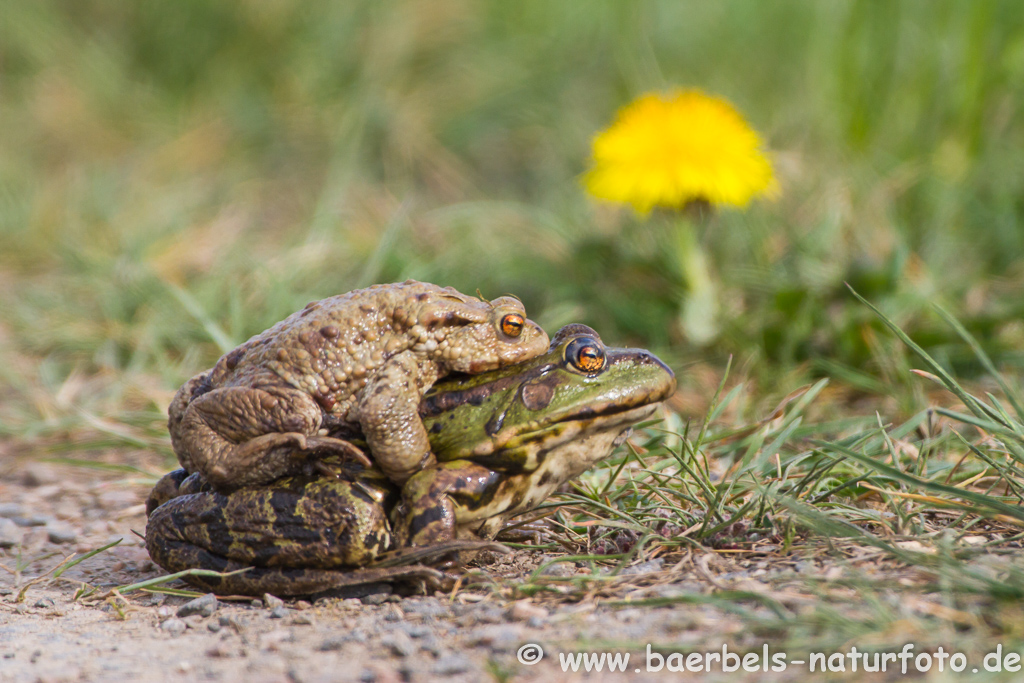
388 413
239 436
430 498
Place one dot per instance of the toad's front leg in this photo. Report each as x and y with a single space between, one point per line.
388 413
241 436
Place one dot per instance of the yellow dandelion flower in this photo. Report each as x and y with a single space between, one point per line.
667 150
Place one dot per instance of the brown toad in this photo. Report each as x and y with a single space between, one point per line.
354 362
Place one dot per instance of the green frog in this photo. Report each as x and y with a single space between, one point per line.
504 441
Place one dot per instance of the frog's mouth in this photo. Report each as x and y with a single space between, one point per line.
583 423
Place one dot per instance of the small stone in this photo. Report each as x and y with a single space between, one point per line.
429 607
33 520
44 603
164 611
194 620
375 599
272 601
399 643
302 620
367 676
60 533
279 612
524 609
536 622
302 605
491 614
39 474
11 510
226 620
498 638
432 644
173 626
117 499
257 603
10 534
452 664
559 569
214 626
416 630
648 567
333 643
275 641
205 606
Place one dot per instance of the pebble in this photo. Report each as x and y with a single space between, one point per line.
275 641
332 643
34 520
559 569
430 607
175 627
432 645
205 606
522 610
416 630
375 599
491 614
452 664
214 626
194 620
399 643
10 534
279 612
38 474
11 510
302 620
117 499
164 611
498 638
272 601
44 603
61 533
654 565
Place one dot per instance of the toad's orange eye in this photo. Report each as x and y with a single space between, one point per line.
512 324
586 355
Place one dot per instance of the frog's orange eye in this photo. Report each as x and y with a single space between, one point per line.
512 324
585 354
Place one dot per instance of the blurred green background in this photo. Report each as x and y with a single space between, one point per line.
175 177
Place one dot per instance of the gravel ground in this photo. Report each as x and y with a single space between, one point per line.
48 513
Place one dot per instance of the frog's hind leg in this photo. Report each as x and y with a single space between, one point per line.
239 436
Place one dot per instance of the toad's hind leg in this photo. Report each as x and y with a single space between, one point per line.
240 436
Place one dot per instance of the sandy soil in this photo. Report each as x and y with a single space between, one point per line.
48 513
